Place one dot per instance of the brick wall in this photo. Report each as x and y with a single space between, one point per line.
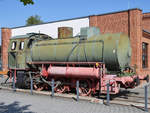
135 38
145 39
111 23
146 21
6 34
128 22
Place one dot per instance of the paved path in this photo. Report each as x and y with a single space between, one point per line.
11 102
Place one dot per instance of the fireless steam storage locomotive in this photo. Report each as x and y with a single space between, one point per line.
92 58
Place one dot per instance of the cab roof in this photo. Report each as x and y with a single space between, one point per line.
28 35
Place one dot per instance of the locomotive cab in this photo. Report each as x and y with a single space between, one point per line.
16 53
19 49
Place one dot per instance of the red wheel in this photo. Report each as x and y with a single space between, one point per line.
84 87
60 88
38 87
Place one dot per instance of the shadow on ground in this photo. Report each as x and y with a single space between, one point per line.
14 108
125 94
122 94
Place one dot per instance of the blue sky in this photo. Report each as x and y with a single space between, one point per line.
13 13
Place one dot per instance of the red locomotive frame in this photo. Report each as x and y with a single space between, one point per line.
92 79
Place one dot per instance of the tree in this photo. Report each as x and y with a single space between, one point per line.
26 2
32 20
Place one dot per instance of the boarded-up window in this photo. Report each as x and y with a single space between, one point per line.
144 55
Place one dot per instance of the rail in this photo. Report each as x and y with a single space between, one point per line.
145 98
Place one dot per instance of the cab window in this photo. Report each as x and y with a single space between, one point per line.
21 47
13 46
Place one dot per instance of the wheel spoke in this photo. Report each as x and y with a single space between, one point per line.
84 88
39 87
60 88
85 91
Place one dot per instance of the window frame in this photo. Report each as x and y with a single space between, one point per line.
20 45
144 55
14 45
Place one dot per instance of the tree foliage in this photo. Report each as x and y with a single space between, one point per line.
26 2
32 20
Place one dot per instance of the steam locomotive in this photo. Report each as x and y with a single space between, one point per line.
91 58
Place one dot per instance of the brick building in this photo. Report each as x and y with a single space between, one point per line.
132 22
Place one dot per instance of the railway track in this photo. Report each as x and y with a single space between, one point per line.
137 100
134 99
136 104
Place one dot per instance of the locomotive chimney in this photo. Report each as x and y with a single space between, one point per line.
65 32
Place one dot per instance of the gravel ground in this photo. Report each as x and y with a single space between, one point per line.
15 102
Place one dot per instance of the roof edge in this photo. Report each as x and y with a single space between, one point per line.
117 12
5 28
79 17
146 31
147 13
52 22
